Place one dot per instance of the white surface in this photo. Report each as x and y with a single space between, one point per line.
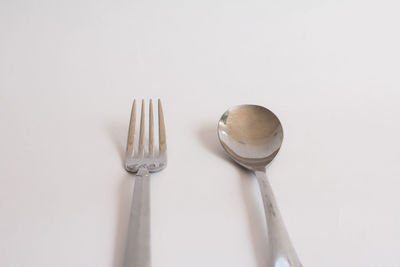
70 69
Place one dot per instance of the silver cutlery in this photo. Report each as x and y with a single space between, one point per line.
143 156
252 136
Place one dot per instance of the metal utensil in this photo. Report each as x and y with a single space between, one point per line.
142 159
252 136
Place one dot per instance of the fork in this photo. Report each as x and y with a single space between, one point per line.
142 158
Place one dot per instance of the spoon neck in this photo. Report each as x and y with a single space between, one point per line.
260 175
259 170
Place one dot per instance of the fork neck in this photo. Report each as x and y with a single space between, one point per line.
143 172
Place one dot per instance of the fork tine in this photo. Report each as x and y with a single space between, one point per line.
141 136
161 130
131 132
151 129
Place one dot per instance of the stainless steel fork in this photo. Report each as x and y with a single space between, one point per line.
143 159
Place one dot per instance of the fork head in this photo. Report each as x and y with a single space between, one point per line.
144 153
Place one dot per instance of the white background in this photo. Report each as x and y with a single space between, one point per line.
69 71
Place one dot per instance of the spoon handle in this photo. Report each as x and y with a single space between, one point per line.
281 251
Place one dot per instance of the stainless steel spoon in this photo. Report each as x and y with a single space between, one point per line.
252 135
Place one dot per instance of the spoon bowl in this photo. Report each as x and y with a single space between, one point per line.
252 135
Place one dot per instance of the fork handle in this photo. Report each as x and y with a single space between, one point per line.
281 252
137 253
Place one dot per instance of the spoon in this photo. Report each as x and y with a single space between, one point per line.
252 136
